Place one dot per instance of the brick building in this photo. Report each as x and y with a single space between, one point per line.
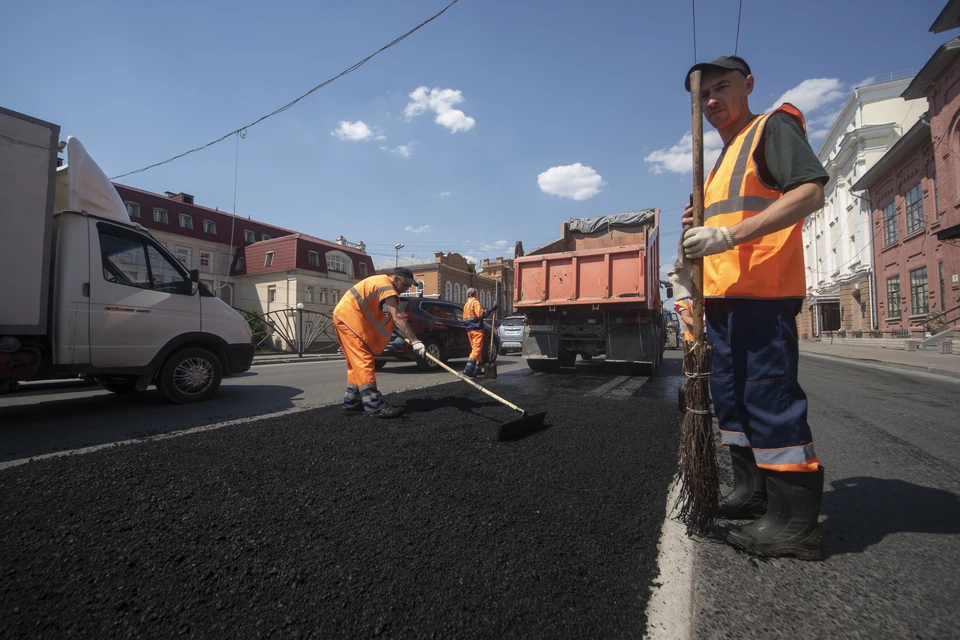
450 275
914 191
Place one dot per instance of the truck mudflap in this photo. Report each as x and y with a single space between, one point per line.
239 356
632 343
541 345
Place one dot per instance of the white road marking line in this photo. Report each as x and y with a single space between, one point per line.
627 390
670 608
603 389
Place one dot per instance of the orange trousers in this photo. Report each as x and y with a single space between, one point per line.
476 345
361 369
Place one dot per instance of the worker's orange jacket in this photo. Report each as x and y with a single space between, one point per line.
684 304
767 267
472 309
361 310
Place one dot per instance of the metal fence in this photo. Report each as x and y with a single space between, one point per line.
292 331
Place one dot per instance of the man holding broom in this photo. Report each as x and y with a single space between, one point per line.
766 181
473 316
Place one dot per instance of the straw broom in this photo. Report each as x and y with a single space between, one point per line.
696 459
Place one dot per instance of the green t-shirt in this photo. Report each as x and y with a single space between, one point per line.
784 157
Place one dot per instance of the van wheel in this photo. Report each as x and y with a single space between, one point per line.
190 375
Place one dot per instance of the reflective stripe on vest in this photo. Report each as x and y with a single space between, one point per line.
767 267
361 312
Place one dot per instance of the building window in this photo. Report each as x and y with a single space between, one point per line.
314 258
448 291
183 255
248 236
893 297
309 296
209 226
421 286
914 210
272 293
363 268
186 222
336 296
205 259
918 291
936 195
264 236
241 263
456 293
268 259
890 235
943 295
160 215
336 263
133 209
323 296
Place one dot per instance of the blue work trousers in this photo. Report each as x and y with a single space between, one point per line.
753 380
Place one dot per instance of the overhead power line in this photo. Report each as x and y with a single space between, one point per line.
293 102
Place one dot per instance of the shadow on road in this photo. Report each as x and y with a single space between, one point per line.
468 405
861 512
60 424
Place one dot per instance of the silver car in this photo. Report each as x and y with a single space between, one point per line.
511 334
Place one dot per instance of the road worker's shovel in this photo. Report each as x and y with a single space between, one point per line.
523 426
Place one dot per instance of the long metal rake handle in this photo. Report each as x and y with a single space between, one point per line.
474 384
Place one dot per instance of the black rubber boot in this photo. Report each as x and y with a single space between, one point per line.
387 412
749 496
789 527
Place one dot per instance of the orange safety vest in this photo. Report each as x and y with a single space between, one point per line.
767 267
472 309
684 304
361 311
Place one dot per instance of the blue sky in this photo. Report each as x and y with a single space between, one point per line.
511 89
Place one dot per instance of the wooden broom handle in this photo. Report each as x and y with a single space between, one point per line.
697 134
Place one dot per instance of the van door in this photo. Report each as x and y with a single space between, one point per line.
140 297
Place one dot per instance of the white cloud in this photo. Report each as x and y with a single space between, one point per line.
420 229
473 260
441 102
679 157
810 96
444 194
404 150
571 181
353 131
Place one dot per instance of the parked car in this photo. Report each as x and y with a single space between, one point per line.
511 334
439 325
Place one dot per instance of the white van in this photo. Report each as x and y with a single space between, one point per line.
86 292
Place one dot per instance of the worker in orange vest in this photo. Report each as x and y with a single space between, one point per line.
473 315
679 277
364 320
766 181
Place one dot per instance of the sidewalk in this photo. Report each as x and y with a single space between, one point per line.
926 361
283 358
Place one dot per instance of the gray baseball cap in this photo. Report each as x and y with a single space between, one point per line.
406 274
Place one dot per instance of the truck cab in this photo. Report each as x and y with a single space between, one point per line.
94 295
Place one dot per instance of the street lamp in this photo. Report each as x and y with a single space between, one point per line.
398 246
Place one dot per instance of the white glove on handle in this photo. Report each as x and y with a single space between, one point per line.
419 349
706 241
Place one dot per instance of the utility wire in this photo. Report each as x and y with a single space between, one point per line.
290 104
736 45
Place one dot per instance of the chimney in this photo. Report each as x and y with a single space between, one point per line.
438 256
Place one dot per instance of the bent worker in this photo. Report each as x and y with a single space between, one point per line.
364 320
766 181
473 315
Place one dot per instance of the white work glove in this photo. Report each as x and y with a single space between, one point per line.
419 349
681 278
706 241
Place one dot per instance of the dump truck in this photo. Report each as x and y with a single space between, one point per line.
87 292
595 291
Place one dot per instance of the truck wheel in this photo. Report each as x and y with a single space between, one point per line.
190 375
434 349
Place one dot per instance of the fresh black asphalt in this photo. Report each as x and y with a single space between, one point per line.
317 524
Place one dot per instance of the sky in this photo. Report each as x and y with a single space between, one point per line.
494 123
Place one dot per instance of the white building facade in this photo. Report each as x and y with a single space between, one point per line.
838 239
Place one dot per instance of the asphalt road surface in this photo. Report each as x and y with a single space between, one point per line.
292 520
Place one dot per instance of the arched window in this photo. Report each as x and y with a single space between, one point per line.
448 291
456 292
339 262
420 287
